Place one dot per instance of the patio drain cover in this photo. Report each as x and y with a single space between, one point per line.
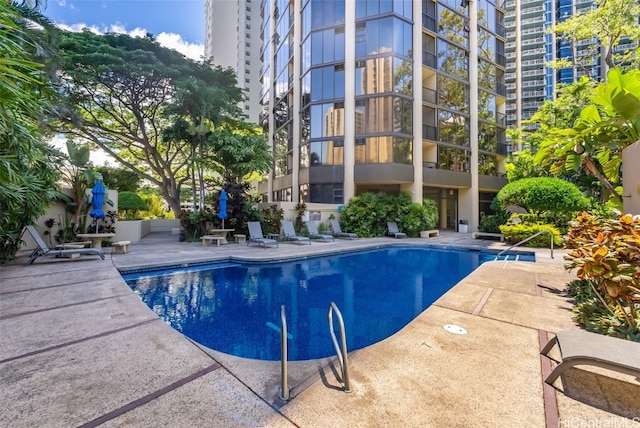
456 329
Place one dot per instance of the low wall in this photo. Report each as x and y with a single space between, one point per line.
162 225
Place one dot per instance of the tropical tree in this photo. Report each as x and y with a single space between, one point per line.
28 166
612 22
235 153
119 179
605 127
116 91
78 176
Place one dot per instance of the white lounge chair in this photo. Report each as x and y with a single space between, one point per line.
579 347
256 236
44 251
338 233
314 234
392 226
290 233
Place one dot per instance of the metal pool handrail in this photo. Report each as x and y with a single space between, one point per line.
284 386
341 350
526 240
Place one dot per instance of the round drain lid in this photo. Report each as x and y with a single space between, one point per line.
455 329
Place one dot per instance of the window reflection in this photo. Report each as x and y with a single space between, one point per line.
453 94
327 120
453 128
452 26
453 60
453 159
487 164
383 35
323 153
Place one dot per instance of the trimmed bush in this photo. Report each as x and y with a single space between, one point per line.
540 195
517 232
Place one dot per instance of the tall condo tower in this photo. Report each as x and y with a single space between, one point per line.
380 95
232 39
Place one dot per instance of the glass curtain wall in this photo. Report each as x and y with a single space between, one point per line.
384 82
322 95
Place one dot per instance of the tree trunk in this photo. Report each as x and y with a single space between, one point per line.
591 168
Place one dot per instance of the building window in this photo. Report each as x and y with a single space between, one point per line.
323 153
453 159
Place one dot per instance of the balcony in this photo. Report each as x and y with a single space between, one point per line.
429 96
429 23
501 89
501 30
429 60
429 132
501 59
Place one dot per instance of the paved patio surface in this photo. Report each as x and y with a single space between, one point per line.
79 348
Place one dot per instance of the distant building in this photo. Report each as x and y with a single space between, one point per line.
529 48
232 39
393 96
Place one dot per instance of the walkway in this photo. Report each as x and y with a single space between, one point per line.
79 348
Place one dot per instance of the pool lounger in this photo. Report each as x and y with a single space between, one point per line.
579 347
290 233
338 233
256 236
44 251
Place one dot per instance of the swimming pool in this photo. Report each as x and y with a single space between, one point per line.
235 307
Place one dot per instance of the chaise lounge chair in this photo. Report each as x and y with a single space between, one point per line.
338 233
314 234
45 251
290 233
579 347
392 226
256 236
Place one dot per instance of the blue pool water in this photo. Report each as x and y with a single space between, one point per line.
235 307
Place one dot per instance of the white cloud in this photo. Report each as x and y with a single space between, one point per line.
168 40
175 41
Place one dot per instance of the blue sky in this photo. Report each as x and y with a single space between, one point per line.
178 24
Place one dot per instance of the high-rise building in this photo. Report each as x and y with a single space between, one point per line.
232 39
386 95
530 48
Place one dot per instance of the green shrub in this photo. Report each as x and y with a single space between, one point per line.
597 315
606 254
272 218
543 195
368 214
517 232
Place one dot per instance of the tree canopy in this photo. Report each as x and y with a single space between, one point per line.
594 142
615 25
148 107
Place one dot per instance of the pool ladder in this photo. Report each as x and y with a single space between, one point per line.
341 350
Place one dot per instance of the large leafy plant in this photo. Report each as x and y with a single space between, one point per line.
606 253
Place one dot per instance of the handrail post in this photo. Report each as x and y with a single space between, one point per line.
284 386
526 240
341 350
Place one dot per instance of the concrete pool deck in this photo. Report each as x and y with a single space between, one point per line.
79 348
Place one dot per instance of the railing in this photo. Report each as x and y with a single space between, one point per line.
341 349
527 240
284 385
